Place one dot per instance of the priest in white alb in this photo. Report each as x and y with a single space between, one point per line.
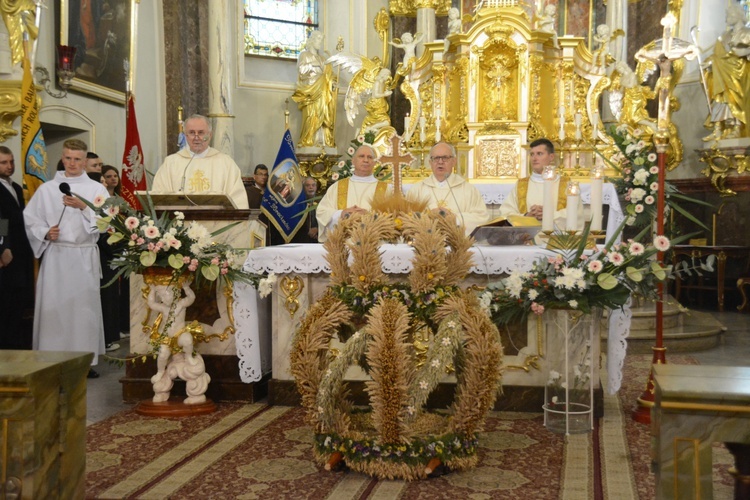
527 196
62 232
351 195
446 190
199 168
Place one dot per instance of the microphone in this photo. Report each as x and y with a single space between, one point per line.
205 138
65 188
184 172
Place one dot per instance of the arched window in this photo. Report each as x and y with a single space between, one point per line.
278 28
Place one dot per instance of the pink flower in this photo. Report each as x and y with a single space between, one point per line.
649 200
194 262
140 241
335 176
186 260
626 171
131 223
652 158
654 186
595 266
99 200
638 208
537 308
134 237
113 210
653 170
151 247
661 243
215 261
224 270
616 258
151 232
192 268
636 248
159 245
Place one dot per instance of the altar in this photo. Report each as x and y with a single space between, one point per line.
303 276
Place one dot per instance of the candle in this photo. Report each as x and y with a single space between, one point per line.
437 128
597 182
561 93
562 123
571 212
577 118
595 119
548 205
406 127
422 135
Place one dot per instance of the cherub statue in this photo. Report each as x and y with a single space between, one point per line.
409 44
546 22
603 37
729 79
176 357
628 98
370 79
454 21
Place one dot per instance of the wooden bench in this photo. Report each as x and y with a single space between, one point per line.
694 407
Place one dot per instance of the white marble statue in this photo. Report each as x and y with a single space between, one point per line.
185 364
454 21
408 42
546 22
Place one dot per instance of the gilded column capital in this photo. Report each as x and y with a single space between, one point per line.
10 107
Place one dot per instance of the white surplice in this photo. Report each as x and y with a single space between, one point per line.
454 194
68 311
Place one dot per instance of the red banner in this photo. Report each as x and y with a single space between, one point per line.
133 175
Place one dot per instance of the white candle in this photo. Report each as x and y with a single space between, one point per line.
596 198
595 119
548 205
577 118
437 128
422 135
561 93
406 127
562 123
571 211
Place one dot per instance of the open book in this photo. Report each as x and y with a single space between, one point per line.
514 221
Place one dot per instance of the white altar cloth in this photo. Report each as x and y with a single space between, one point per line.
489 262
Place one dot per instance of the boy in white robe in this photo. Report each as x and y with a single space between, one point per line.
445 190
62 232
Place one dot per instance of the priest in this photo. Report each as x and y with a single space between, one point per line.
527 196
350 195
448 191
199 168
62 232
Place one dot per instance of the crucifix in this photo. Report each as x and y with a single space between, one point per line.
395 160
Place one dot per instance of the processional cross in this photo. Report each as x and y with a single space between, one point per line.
395 160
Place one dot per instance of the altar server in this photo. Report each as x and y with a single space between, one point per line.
199 168
448 191
527 196
62 232
350 195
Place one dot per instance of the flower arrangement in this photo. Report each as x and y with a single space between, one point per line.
635 161
146 241
575 279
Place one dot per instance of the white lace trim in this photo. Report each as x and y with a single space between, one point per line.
246 333
617 345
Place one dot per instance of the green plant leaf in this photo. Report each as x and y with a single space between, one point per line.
103 223
634 274
211 273
659 272
606 281
175 261
147 258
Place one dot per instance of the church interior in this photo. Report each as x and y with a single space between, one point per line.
301 389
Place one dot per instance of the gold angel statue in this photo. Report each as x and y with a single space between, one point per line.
371 81
19 17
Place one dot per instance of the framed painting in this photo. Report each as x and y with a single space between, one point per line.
100 30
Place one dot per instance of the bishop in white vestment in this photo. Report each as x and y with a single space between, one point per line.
447 190
351 195
62 232
199 168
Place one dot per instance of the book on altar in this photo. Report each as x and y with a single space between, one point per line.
511 230
186 201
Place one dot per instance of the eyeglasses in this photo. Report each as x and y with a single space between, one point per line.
440 159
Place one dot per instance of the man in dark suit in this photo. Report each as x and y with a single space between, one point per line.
308 233
257 186
16 293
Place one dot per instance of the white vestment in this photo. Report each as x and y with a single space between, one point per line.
360 193
211 172
454 194
68 311
535 196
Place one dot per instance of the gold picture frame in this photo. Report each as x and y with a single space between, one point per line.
101 32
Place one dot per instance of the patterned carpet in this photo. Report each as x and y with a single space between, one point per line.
256 451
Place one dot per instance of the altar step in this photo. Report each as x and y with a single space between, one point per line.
684 330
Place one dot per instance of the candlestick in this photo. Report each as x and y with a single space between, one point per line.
548 205
437 128
562 123
597 181
577 118
595 119
407 135
571 212
422 135
561 93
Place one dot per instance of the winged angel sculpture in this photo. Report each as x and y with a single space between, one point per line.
371 81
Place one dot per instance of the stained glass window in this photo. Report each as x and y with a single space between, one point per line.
278 28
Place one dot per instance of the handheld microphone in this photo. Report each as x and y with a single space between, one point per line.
65 188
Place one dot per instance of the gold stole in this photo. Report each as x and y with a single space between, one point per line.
343 192
523 189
